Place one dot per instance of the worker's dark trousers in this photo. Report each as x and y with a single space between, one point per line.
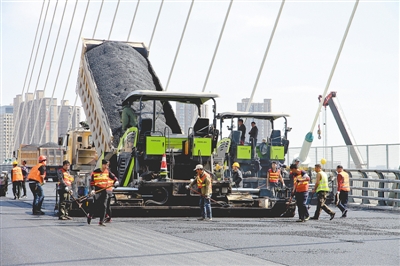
322 195
301 199
64 203
108 208
17 189
38 197
343 199
100 205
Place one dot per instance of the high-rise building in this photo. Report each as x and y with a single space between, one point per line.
187 113
264 127
36 118
6 132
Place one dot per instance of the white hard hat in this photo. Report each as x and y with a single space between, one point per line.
199 166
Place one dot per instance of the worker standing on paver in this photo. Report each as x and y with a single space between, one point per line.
204 184
343 188
17 178
36 181
128 117
99 182
64 190
273 177
237 176
322 189
300 190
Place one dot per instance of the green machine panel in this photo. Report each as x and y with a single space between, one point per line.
155 145
201 147
277 153
243 152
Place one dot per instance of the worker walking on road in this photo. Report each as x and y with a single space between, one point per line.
25 175
36 181
17 178
273 177
300 190
99 182
64 190
204 184
322 189
343 188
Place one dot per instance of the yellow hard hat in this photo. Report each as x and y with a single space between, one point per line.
15 162
236 164
218 167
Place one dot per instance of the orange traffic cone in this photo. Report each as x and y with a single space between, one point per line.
163 168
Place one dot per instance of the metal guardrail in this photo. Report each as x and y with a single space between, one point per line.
371 186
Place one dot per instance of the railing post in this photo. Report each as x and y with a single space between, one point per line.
381 194
387 156
348 156
367 153
365 184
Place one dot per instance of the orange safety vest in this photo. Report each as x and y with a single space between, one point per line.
34 174
343 181
100 179
301 186
68 179
274 176
110 184
17 174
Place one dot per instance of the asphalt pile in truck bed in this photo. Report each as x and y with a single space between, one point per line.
119 69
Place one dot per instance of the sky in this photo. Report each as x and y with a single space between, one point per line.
295 72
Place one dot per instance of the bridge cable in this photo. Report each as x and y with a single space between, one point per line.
112 24
155 24
48 74
133 20
307 142
179 46
216 48
98 17
265 56
70 69
56 81
40 71
9 148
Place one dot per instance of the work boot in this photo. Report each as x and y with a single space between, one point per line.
89 219
208 219
344 214
102 224
307 218
201 219
107 219
314 218
68 217
62 218
300 221
332 215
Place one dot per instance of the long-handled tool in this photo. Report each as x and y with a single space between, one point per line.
79 203
223 204
287 207
88 195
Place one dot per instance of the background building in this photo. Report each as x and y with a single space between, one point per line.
264 127
185 115
6 131
69 117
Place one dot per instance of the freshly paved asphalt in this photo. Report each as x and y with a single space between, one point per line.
365 237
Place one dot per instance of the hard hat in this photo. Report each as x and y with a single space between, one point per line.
236 164
42 158
218 167
199 166
15 163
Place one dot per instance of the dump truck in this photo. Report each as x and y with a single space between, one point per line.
115 74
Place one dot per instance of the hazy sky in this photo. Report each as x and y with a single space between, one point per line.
296 70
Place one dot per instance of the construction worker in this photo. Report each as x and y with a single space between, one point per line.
16 178
237 176
343 188
25 174
242 128
64 190
253 137
322 189
273 177
112 183
36 181
300 190
204 184
99 182
128 117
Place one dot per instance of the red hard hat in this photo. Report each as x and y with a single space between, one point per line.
42 158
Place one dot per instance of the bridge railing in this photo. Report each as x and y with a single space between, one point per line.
371 186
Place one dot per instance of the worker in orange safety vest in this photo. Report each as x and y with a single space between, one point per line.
343 188
300 190
17 178
36 181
